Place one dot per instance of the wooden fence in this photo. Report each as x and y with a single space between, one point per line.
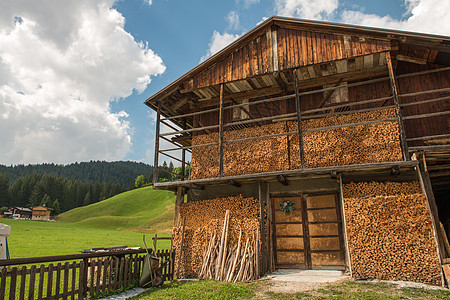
85 275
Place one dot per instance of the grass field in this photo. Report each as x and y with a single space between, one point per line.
209 289
120 220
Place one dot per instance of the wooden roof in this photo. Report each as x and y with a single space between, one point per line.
262 59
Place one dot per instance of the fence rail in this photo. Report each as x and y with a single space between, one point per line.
94 274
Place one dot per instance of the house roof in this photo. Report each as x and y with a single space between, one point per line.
423 40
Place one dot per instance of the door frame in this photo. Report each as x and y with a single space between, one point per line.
306 236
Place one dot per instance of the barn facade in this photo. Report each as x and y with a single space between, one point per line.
333 137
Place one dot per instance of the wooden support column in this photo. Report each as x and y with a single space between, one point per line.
427 190
178 201
401 126
299 121
269 231
158 124
183 155
306 238
262 189
348 263
221 131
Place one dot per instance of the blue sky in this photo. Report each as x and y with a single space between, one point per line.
74 74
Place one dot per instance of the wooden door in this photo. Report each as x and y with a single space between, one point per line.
288 230
311 236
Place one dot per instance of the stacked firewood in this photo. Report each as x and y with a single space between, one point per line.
258 155
212 249
368 143
390 233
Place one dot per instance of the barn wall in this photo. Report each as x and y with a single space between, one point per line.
427 126
294 48
302 47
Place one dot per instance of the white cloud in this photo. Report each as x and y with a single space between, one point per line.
61 64
149 2
306 9
233 19
430 16
218 42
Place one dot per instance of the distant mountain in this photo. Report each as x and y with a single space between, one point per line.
119 172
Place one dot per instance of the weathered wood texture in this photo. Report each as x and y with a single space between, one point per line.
300 47
204 220
368 143
389 231
426 126
295 48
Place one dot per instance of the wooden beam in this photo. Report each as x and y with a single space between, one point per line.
401 125
299 121
221 132
178 201
156 162
427 190
183 155
414 60
234 183
262 191
305 225
283 180
348 262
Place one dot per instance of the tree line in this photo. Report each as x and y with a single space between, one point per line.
59 193
120 172
64 187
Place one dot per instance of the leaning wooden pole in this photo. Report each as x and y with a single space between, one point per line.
221 131
401 126
181 247
299 122
155 166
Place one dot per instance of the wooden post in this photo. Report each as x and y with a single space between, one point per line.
158 124
269 240
348 262
183 155
178 201
401 126
428 192
307 247
299 121
221 131
262 190
181 248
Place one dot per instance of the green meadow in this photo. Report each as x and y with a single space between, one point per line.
120 220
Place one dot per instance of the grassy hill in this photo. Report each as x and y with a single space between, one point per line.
135 212
143 210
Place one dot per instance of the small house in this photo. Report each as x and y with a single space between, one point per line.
311 145
41 213
21 213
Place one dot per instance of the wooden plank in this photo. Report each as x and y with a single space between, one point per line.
299 122
394 89
307 251
41 281
23 277
221 122
427 190
66 280
3 284
156 161
73 267
31 284
262 192
12 285
82 280
50 281
58 279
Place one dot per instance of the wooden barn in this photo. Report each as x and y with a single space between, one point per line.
311 145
